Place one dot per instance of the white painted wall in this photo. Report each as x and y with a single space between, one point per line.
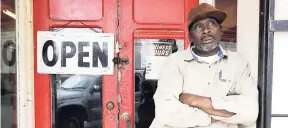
248 32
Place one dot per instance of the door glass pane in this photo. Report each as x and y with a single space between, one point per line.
279 122
8 65
149 56
281 10
77 99
279 87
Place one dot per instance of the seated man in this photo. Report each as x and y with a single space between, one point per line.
205 85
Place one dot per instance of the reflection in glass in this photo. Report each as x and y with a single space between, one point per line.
77 82
77 99
149 55
8 65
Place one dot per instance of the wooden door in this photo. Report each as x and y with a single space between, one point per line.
138 19
147 19
49 14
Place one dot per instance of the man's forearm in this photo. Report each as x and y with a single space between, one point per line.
203 103
221 113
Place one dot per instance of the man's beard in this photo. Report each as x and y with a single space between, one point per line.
207 47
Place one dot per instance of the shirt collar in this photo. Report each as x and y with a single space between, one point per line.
190 56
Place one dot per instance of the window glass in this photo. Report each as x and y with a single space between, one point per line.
8 65
279 122
77 82
149 56
77 99
279 78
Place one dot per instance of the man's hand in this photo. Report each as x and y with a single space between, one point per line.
203 103
221 113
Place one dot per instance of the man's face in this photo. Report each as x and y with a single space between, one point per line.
205 34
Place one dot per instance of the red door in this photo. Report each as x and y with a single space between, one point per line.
138 19
147 20
50 14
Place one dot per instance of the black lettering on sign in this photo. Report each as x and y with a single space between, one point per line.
64 54
162 49
45 53
101 54
9 44
82 54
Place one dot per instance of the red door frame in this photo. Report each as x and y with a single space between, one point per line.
128 33
43 22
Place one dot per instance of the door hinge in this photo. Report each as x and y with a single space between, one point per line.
118 60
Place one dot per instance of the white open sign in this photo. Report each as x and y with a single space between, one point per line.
75 53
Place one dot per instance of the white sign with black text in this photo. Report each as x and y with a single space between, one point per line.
156 54
75 53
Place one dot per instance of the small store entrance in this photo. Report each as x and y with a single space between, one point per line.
135 24
117 100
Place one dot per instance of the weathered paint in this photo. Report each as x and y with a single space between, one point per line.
42 22
130 26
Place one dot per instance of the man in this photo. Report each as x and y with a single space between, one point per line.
205 86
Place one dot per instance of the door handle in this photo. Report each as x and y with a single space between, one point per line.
126 117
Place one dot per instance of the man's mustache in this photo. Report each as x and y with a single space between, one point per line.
207 35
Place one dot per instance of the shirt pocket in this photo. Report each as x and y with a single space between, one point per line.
194 85
224 84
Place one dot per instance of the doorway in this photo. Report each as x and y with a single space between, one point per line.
137 24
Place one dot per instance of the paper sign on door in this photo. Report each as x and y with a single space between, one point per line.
156 54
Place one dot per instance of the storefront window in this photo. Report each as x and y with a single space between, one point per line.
8 65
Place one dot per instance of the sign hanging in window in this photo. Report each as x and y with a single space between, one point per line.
75 53
154 52
8 52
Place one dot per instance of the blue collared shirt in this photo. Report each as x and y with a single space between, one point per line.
211 59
